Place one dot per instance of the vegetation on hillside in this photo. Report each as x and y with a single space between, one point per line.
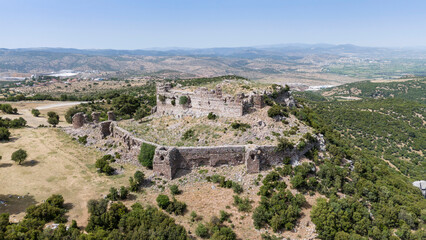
375 200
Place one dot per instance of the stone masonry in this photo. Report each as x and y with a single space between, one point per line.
111 116
78 120
95 116
203 101
168 159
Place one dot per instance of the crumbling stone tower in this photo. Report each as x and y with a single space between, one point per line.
78 120
165 161
95 117
111 116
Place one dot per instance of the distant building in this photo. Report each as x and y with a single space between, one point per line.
421 185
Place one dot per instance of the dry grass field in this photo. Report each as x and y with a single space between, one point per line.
56 164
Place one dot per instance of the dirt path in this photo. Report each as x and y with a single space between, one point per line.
56 105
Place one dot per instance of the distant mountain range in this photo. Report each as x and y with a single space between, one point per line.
294 62
245 52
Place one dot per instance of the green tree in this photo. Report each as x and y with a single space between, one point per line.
113 194
124 192
53 118
4 134
19 156
174 189
163 201
202 231
146 155
35 112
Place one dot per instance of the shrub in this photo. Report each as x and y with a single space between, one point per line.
224 216
19 156
163 201
211 116
183 100
188 134
146 155
35 112
243 204
174 102
176 207
134 186
4 134
53 118
202 231
241 126
194 216
224 233
82 139
104 166
301 145
284 144
162 98
237 188
277 110
286 160
174 189
7 108
124 192
50 210
113 194
139 177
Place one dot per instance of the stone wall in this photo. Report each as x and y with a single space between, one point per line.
203 101
168 159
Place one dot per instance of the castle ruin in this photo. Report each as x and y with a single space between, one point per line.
178 102
169 159
202 101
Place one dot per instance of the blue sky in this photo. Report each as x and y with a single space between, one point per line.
124 24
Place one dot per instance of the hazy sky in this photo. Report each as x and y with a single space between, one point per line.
124 24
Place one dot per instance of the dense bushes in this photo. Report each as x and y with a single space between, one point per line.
278 208
118 222
53 118
7 108
277 111
240 126
242 204
284 144
338 215
377 198
15 123
215 229
4 134
103 166
183 100
174 206
51 210
136 181
35 112
146 155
